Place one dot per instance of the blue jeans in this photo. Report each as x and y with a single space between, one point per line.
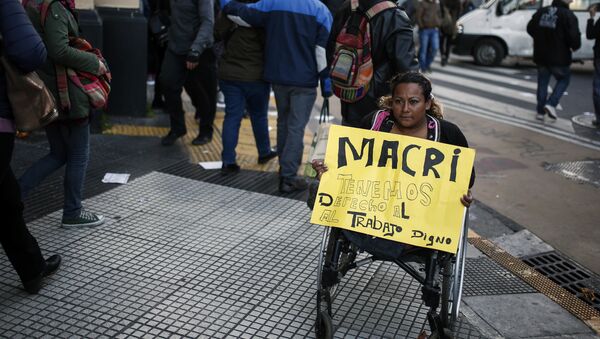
562 75
239 96
429 39
70 145
294 105
596 85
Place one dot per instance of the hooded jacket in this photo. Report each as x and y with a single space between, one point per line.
555 33
392 51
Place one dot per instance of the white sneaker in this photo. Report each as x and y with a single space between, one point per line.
551 111
539 117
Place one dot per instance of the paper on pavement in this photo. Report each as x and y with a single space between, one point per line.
115 178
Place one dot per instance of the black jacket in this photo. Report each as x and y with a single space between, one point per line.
392 51
592 31
192 24
555 33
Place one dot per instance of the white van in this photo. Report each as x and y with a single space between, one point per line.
499 28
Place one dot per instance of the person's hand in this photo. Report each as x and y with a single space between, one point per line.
326 90
192 59
191 65
592 10
467 199
319 166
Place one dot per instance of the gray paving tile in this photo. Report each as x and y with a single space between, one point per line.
107 248
525 315
190 313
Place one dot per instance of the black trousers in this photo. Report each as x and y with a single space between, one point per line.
20 246
445 45
200 84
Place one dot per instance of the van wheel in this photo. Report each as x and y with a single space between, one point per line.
488 52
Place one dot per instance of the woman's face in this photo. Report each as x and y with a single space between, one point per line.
409 105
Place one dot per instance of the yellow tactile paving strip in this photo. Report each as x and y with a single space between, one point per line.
568 301
247 155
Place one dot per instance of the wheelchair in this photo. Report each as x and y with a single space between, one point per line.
441 279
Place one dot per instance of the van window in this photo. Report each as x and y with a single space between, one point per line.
508 6
582 5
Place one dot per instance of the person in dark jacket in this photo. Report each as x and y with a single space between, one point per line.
24 48
555 33
392 52
592 32
191 63
240 79
69 137
453 8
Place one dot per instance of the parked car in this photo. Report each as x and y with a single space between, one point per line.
499 28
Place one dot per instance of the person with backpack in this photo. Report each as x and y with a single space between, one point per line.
240 79
385 31
555 33
296 37
23 47
69 136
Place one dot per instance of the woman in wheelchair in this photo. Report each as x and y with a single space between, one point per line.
411 110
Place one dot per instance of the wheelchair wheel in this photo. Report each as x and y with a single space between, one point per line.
452 282
335 255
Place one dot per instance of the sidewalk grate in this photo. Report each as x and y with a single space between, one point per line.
569 302
585 172
483 276
569 275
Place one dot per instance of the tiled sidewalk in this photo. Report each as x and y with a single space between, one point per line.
184 258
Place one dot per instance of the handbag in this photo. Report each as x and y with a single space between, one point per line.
319 142
32 103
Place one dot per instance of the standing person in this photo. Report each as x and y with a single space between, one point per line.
392 52
240 79
429 21
452 10
69 136
555 33
24 48
190 62
296 37
592 31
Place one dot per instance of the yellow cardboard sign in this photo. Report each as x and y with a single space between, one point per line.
394 187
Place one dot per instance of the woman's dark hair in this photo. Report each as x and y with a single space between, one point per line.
420 79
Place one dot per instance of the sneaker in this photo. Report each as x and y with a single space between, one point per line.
169 139
289 185
596 123
264 159
85 219
202 140
551 111
539 117
229 169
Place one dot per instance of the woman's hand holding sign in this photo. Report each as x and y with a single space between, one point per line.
319 166
467 199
